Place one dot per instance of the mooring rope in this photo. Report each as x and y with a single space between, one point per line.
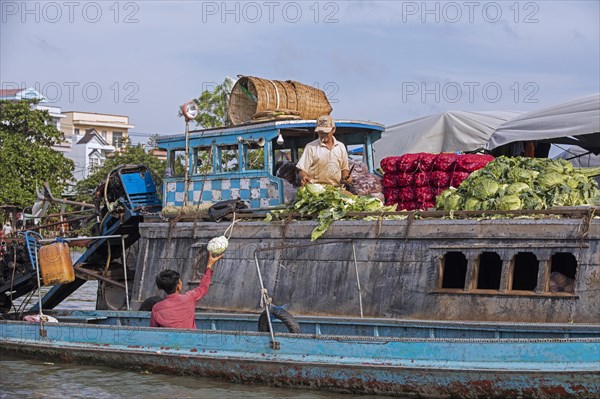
230 227
265 299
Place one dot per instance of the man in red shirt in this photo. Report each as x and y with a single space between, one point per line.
177 310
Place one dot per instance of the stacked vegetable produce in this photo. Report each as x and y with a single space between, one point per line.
413 181
522 183
328 203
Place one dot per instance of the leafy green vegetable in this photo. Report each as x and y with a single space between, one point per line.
516 188
484 188
521 175
523 183
329 204
509 203
472 204
550 180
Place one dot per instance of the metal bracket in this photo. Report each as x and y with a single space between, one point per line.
43 333
275 345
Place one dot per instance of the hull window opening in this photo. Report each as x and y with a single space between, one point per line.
525 272
490 271
454 270
563 269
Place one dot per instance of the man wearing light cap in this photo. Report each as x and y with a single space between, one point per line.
325 160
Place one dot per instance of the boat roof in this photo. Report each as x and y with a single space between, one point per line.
307 125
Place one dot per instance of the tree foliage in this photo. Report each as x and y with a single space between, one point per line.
134 155
153 140
211 107
26 155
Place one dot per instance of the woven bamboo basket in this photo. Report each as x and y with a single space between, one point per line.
252 95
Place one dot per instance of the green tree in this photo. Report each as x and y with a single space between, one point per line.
211 107
134 155
26 156
153 140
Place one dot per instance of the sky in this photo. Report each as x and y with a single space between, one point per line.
387 62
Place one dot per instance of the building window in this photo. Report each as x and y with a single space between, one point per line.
489 271
94 164
117 139
454 270
76 131
525 272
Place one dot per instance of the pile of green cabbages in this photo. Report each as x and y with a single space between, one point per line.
523 183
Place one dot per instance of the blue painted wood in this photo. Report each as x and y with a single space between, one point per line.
411 364
268 196
175 141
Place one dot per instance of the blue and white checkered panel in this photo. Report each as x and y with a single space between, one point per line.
174 193
258 192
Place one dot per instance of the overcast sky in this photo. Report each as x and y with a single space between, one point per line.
382 61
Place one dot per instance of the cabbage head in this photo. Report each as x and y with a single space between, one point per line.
483 188
453 202
549 180
440 200
576 180
509 203
497 169
531 200
517 188
558 199
472 204
560 166
489 204
521 175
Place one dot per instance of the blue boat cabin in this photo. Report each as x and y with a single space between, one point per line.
239 162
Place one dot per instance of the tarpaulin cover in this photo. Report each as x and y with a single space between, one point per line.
574 122
444 132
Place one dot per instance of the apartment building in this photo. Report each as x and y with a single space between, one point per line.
114 129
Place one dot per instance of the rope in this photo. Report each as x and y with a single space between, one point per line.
265 299
230 227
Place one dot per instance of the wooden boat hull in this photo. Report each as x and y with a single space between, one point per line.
541 366
390 268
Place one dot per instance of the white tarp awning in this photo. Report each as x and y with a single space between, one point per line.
574 122
444 132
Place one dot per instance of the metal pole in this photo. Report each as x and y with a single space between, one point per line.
357 281
187 161
125 273
37 271
47 240
263 295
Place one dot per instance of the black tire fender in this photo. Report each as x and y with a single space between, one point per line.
281 314
149 303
